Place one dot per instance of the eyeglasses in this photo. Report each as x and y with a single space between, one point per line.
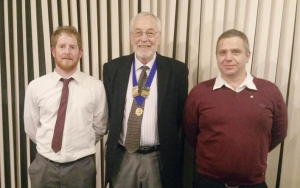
149 34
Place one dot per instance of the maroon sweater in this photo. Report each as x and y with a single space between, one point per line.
233 132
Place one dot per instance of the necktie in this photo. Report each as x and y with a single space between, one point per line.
61 116
133 135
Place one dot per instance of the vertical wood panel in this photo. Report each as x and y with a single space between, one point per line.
2 162
229 17
74 14
31 68
125 27
20 84
218 20
286 44
146 5
46 30
74 18
84 34
261 38
206 28
115 39
168 36
162 16
54 13
133 11
154 7
249 27
273 40
291 162
39 38
240 15
9 96
24 43
25 83
16 89
94 39
181 30
34 39
133 8
103 33
65 12
193 43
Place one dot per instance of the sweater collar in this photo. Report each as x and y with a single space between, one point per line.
248 82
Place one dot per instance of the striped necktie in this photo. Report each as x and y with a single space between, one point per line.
133 135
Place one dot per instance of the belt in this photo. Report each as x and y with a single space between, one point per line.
262 185
143 149
66 163
228 186
202 180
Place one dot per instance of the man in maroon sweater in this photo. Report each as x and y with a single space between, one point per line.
234 120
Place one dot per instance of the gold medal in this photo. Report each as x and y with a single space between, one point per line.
139 111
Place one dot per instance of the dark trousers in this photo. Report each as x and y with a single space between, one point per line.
203 182
48 174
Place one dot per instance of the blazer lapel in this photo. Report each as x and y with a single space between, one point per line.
124 72
163 72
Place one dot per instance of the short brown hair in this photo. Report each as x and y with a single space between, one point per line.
70 30
235 33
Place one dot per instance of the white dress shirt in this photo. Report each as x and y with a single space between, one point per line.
248 82
86 115
149 132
